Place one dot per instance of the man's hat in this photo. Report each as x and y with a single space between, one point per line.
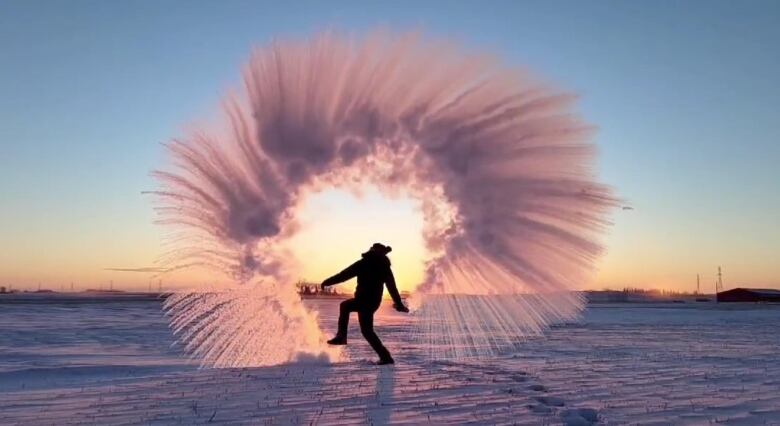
381 248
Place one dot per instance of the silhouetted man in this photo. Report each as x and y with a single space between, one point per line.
373 272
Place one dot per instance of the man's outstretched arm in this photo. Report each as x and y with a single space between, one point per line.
398 304
342 276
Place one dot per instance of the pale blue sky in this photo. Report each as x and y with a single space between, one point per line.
685 95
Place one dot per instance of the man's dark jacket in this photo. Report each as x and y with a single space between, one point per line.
372 272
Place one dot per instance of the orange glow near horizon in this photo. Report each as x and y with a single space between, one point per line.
337 226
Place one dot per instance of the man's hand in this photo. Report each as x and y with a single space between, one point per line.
400 307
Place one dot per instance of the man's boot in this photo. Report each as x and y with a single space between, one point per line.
386 360
338 340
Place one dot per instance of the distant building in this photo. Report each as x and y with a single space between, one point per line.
2 289
749 295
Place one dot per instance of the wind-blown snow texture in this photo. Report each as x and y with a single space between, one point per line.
502 167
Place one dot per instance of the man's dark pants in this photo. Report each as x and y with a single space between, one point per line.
366 319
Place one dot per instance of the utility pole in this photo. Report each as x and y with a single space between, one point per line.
720 280
698 287
111 286
71 286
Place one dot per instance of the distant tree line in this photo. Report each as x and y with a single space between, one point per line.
306 288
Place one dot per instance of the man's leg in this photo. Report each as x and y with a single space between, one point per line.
366 318
345 308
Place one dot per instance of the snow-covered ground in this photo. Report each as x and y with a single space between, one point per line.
113 363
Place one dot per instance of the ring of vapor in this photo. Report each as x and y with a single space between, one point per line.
503 168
